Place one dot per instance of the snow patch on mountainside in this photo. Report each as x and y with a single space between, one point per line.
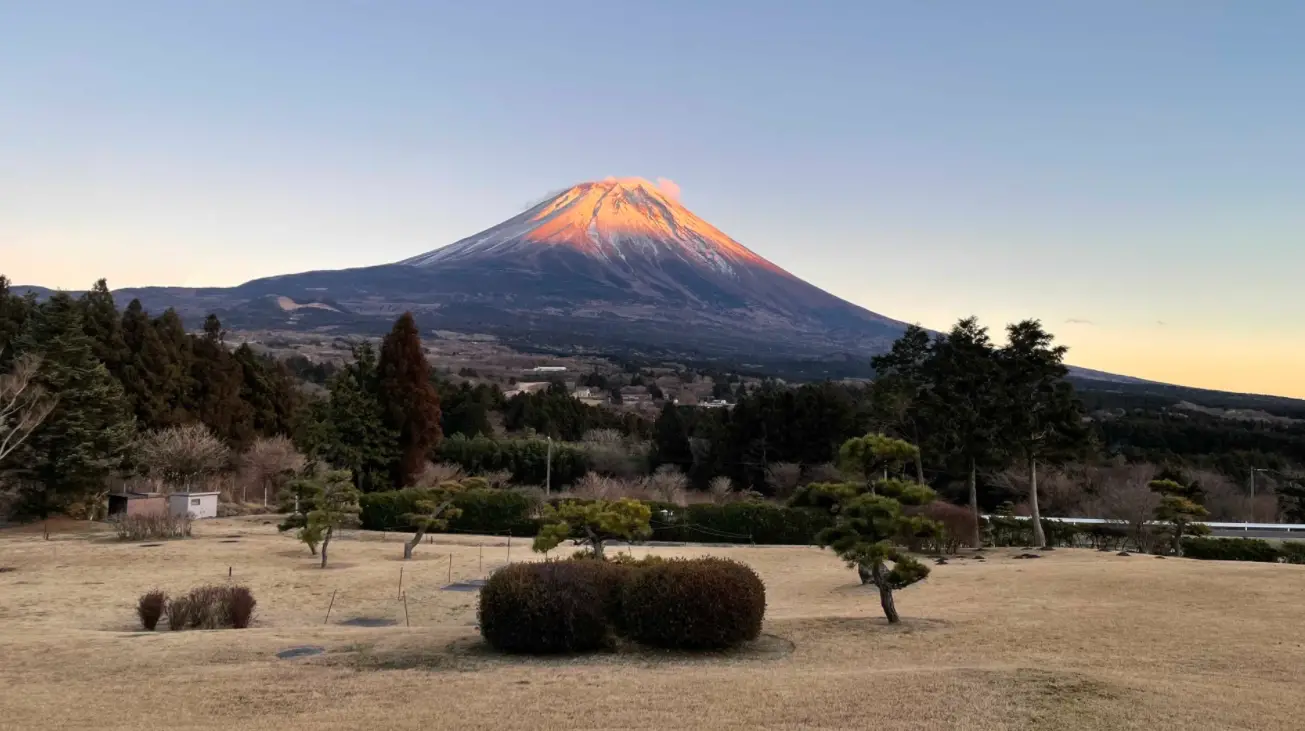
290 305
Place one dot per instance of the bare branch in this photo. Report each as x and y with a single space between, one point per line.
24 404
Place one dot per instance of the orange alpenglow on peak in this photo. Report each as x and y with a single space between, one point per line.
614 219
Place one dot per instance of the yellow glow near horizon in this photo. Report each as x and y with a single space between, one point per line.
1213 360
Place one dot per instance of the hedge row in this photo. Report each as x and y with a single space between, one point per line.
483 511
584 604
504 511
1243 549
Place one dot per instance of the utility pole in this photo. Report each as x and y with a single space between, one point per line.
548 469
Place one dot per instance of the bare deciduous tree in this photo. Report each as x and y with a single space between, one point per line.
1123 493
24 404
721 490
181 454
669 485
783 479
269 464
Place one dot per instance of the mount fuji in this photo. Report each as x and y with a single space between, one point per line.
616 261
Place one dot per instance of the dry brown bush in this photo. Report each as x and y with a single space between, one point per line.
152 527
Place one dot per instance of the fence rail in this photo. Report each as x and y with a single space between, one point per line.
1274 527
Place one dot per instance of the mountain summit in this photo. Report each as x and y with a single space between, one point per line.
612 262
625 222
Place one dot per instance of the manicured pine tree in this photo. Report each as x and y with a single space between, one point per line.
1179 507
85 438
410 405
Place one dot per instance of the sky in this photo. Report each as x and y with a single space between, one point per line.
1133 174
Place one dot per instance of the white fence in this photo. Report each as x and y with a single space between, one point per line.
1247 527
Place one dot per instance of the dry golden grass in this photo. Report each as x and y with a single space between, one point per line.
1075 640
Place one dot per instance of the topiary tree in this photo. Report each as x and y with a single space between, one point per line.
433 512
875 455
1178 507
335 505
869 523
589 524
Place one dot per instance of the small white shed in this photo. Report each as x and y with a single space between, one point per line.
198 504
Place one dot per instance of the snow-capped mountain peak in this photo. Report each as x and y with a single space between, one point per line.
625 222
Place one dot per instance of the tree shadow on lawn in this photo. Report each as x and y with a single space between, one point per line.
471 653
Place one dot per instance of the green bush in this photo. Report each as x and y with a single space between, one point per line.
1292 552
698 604
526 459
547 608
1231 549
1005 531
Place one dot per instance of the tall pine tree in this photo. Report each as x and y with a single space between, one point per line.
963 404
1042 418
103 326
348 431
408 399
85 438
217 379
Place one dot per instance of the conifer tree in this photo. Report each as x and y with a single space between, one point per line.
150 376
963 403
902 386
14 311
335 506
86 436
103 325
217 380
869 520
1041 417
350 431
671 439
268 389
410 405
1179 507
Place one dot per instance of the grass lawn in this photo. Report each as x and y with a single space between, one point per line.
1074 640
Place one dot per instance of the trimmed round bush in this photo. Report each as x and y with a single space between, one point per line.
545 608
696 604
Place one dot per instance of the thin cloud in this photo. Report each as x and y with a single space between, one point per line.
1078 321
669 188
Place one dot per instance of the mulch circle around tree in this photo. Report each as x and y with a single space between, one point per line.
1123 553
1028 555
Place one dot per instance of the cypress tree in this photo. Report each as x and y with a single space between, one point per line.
671 439
409 402
350 431
177 354
217 380
103 326
14 311
150 377
268 389
86 438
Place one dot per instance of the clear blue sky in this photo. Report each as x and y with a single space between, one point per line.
1107 167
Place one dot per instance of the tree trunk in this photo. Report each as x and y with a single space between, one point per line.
1039 537
412 543
864 573
326 540
597 544
885 593
919 454
1178 538
976 541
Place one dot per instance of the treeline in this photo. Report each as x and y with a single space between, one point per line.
109 375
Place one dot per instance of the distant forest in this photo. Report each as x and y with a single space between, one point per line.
982 415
